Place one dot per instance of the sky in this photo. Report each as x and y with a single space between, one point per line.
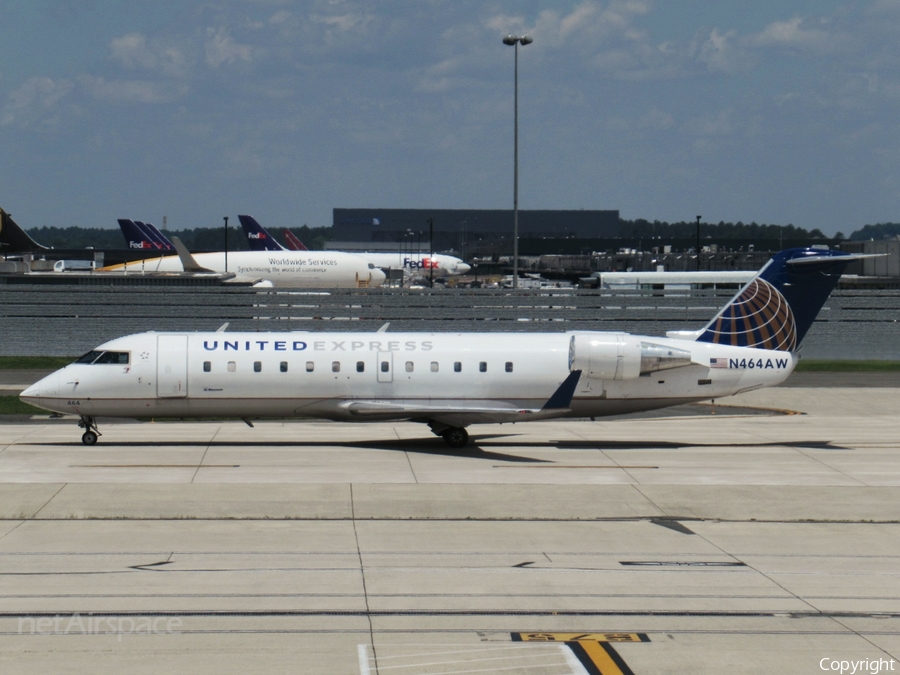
780 112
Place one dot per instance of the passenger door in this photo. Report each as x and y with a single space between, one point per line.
171 366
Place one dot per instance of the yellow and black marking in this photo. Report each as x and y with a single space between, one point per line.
593 650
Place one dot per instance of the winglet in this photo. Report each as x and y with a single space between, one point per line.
562 397
187 260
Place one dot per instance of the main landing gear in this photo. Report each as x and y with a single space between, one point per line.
91 433
455 437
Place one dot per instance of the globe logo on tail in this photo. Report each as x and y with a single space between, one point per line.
759 317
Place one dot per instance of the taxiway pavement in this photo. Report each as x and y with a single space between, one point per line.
752 539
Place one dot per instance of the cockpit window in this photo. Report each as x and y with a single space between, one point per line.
95 357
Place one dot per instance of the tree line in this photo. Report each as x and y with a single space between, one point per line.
213 238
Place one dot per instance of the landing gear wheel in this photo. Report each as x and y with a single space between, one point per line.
455 437
91 432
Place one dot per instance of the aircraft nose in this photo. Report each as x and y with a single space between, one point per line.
462 268
47 386
377 276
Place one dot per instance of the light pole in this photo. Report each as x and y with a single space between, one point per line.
514 41
431 247
698 242
226 243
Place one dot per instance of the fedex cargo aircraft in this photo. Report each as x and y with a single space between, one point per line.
259 239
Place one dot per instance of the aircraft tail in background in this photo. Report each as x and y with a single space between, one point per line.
14 240
258 237
156 236
293 242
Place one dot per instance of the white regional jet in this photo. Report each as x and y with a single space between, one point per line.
291 269
451 380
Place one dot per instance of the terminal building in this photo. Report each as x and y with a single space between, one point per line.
464 232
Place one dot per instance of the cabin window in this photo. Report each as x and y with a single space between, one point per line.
360 366
482 367
434 366
509 366
335 366
207 366
283 366
457 366
257 366
409 366
310 366
385 366
232 366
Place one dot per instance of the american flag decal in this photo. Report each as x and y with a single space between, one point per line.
718 363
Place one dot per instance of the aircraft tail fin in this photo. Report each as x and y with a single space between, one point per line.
777 307
135 238
293 242
14 240
257 236
156 236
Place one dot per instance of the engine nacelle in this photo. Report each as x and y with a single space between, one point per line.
619 356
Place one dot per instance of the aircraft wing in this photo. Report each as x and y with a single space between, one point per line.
467 411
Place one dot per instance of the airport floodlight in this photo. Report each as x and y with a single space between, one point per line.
513 41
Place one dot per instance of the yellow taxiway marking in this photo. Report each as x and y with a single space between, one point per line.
593 650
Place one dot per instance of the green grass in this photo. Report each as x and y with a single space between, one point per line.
846 366
34 362
11 405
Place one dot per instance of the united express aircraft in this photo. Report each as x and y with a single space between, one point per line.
450 381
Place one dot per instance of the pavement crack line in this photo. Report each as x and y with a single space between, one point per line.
208 446
362 574
829 466
44 505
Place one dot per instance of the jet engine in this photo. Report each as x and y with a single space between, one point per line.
619 356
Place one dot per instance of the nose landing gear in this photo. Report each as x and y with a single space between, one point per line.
89 437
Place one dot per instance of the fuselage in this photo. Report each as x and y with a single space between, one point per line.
419 263
294 269
304 374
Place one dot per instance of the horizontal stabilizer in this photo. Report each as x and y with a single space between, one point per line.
847 257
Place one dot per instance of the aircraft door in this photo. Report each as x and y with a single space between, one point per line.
171 366
385 366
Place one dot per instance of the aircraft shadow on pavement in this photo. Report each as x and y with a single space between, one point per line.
424 445
672 445
483 446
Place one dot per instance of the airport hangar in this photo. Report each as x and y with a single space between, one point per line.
468 232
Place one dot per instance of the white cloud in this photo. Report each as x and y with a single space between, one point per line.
792 34
132 91
135 51
221 48
35 100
